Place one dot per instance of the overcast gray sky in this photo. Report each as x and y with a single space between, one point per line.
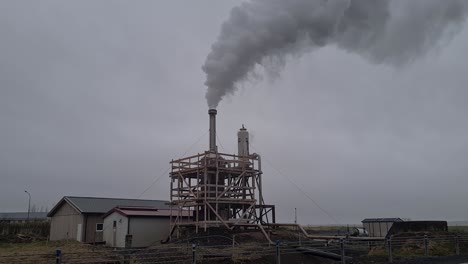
96 97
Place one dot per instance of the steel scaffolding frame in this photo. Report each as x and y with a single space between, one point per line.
218 189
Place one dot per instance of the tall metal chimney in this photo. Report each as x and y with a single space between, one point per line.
212 113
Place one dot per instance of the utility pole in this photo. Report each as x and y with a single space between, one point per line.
29 203
295 215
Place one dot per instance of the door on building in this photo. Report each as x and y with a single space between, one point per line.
79 230
114 234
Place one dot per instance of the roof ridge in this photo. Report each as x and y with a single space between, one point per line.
113 198
22 212
83 204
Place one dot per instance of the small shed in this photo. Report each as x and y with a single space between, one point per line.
379 227
136 226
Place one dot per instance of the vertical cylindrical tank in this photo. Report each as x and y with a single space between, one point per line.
212 113
243 142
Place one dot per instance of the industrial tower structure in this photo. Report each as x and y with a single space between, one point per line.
218 189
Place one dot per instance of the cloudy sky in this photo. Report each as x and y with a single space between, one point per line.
96 97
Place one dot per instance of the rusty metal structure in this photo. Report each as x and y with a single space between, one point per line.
218 189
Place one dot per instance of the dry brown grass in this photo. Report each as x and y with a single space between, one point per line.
41 247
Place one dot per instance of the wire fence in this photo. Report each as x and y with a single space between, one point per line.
342 250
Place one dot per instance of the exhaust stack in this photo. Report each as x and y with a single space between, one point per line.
212 113
243 142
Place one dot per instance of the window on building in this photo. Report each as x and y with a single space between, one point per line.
99 227
115 224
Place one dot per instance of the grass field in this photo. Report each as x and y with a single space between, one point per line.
458 229
42 247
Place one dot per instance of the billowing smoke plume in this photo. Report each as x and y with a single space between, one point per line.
381 31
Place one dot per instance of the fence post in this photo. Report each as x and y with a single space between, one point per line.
300 239
278 254
127 256
194 255
426 246
342 246
457 244
58 256
389 247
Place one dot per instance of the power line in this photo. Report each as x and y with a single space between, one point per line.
220 144
270 163
299 188
156 179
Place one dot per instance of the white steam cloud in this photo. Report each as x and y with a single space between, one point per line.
382 31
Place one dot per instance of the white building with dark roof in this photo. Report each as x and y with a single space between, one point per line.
137 226
80 218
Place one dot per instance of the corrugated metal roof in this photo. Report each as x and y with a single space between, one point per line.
148 212
19 216
102 205
369 220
